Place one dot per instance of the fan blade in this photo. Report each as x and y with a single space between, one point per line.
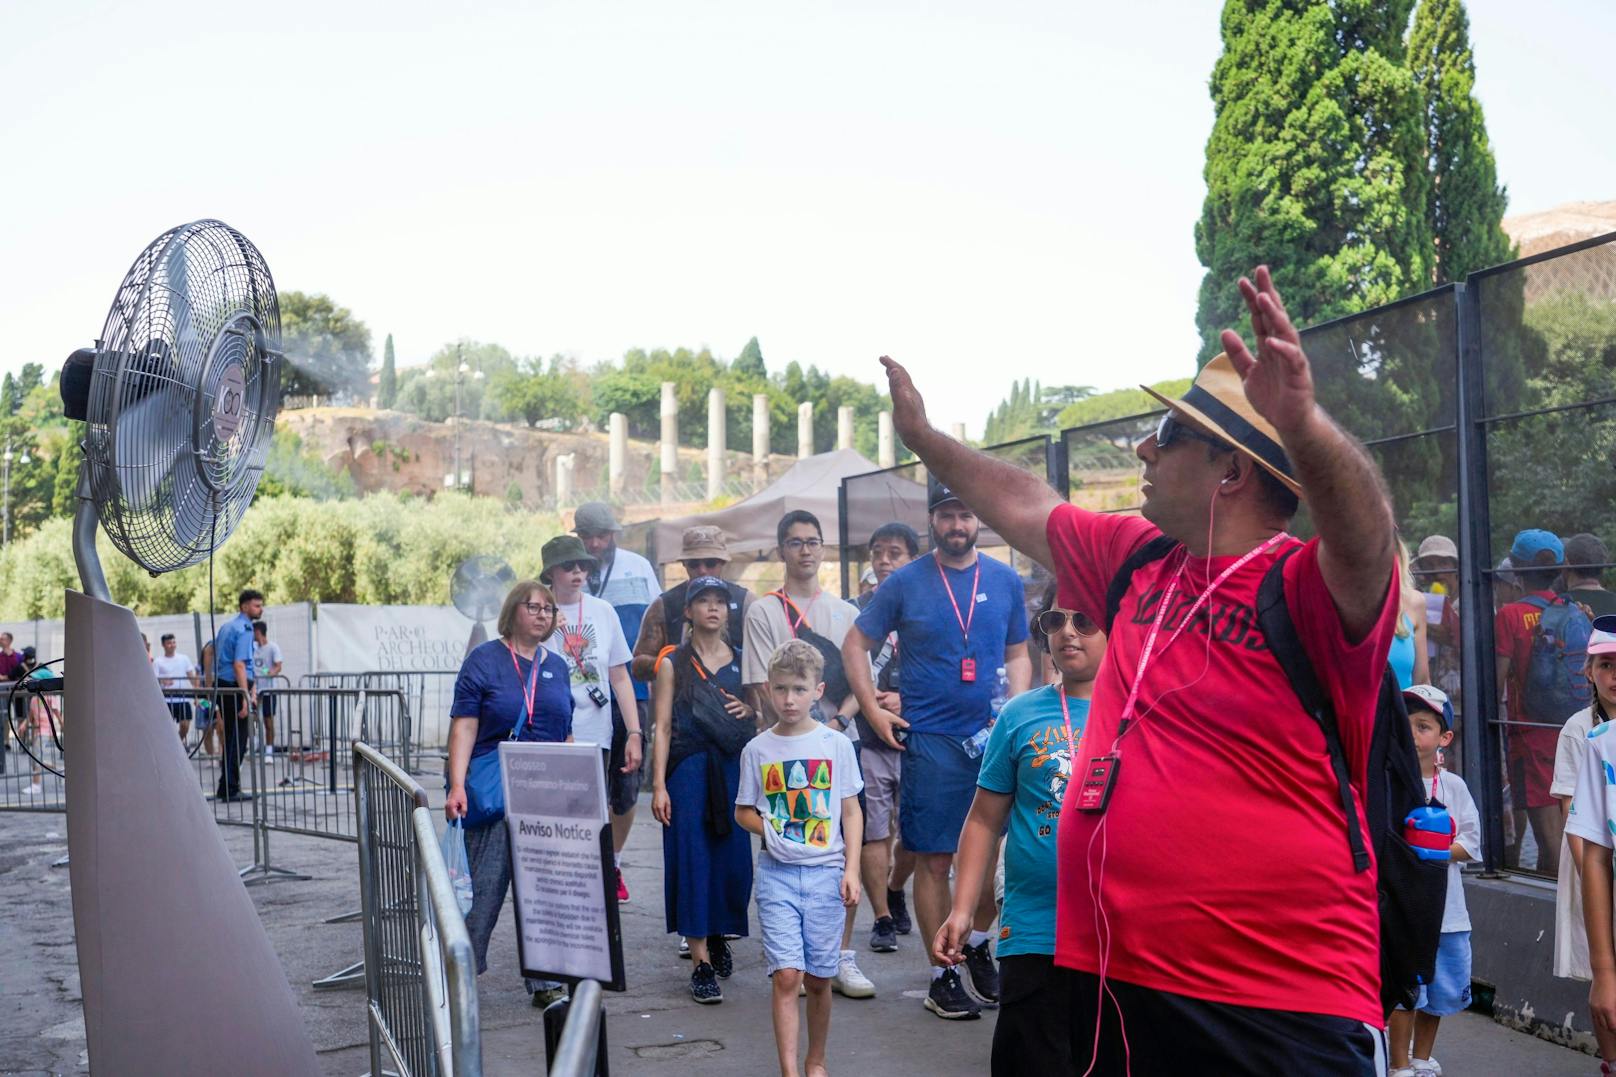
150 440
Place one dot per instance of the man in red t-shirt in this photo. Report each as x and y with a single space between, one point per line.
1536 557
1210 913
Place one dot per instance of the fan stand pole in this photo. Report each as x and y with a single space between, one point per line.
86 521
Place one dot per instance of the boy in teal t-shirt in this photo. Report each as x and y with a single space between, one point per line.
1025 768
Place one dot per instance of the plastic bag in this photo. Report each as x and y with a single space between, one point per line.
453 844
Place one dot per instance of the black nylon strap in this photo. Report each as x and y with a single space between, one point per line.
1274 617
1154 550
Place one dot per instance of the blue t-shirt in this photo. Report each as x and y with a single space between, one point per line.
912 603
234 644
1027 757
629 583
488 689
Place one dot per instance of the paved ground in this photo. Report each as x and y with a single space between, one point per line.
654 1027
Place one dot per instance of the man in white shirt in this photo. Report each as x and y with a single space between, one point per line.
801 609
589 636
267 664
175 670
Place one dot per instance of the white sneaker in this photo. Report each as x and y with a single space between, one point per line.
269 753
849 980
1405 1071
34 790
1426 1067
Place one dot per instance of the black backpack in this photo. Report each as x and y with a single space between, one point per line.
1411 893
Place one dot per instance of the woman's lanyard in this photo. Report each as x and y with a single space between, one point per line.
967 663
530 690
792 607
1146 655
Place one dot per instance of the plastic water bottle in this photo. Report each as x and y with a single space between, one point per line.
1001 693
977 743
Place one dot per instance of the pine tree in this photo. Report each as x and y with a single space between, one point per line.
387 380
1315 162
750 362
1466 204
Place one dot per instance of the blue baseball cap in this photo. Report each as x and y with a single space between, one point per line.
702 584
1529 543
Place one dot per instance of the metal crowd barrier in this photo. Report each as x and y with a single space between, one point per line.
420 975
32 722
398 736
578 1053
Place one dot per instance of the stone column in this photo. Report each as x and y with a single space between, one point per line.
805 429
844 427
717 438
616 451
670 440
886 444
563 479
760 438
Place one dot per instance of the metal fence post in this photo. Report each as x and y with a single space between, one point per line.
842 536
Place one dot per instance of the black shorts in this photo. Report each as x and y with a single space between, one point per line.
1173 1034
179 710
623 790
266 704
1032 1037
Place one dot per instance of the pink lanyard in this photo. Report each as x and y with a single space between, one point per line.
970 613
530 690
1161 614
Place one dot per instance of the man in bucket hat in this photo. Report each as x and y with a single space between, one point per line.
1175 840
703 551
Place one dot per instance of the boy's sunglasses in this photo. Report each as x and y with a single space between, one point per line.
1170 429
1053 621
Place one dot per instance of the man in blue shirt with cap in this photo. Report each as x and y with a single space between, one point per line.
959 617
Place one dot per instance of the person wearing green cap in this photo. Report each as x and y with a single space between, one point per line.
590 638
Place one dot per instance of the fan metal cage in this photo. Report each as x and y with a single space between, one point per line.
183 396
479 586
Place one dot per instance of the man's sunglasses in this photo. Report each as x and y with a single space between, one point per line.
1169 429
1052 621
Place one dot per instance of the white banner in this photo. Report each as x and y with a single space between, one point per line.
410 639
555 810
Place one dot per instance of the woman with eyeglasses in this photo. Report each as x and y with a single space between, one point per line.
1025 769
509 688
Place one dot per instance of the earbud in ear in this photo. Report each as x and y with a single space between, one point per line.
1225 482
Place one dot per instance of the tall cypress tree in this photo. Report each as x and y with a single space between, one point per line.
387 381
1315 164
1466 205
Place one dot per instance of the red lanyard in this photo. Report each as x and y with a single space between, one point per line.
1066 716
1435 774
970 614
1161 614
530 690
792 607
575 643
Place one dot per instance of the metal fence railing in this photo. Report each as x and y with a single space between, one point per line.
420 975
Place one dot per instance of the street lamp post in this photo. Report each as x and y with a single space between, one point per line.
455 479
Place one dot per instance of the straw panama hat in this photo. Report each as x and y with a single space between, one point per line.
1217 403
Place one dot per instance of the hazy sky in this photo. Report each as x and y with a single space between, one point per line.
983 190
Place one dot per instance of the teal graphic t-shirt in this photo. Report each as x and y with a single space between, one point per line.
1027 758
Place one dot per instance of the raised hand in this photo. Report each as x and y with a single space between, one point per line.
908 409
1278 379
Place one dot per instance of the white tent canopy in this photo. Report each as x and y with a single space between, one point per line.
812 484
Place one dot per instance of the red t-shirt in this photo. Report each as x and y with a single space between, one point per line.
1513 627
1227 875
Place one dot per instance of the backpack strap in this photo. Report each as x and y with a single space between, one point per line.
1154 550
1274 617
1539 601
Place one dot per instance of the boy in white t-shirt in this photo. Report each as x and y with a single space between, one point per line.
1590 826
1430 715
799 791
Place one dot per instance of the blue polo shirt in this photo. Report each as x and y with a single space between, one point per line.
234 644
491 690
912 603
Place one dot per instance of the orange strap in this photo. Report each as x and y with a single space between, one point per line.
656 667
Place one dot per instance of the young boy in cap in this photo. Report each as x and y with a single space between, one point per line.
1575 758
1431 718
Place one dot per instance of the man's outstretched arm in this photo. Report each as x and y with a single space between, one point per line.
1345 492
1014 502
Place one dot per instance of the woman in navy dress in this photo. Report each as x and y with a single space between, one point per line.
507 684
706 858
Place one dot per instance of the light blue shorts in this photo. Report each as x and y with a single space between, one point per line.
801 914
1448 992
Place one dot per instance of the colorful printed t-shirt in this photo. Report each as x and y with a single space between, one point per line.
798 784
1027 757
913 603
589 637
1226 870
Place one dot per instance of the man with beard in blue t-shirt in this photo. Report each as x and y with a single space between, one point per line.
959 617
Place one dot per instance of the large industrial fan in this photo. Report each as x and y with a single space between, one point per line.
178 398
477 589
